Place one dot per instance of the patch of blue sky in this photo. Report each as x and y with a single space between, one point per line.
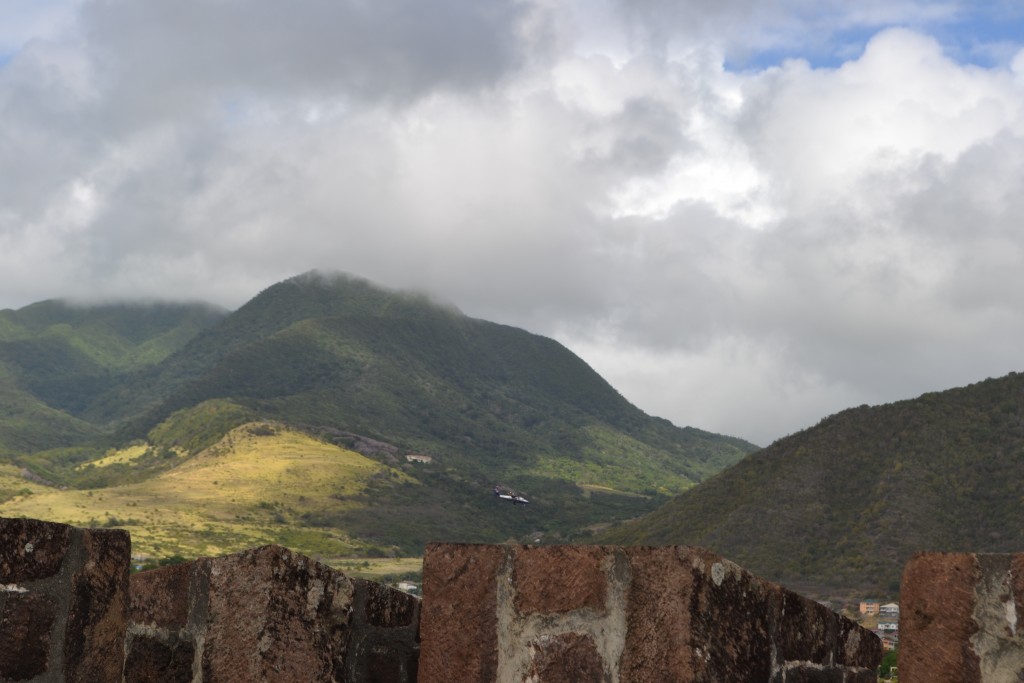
985 35
982 34
820 49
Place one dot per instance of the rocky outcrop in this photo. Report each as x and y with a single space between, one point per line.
962 618
63 602
595 613
267 614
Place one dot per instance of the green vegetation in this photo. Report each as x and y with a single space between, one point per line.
117 402
845 504
246 490
492 398
58 362
886 670
28 425
193 429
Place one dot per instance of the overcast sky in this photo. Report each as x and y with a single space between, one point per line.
745 215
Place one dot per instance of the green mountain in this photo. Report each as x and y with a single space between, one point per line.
337 352
57 358
845 503
389 374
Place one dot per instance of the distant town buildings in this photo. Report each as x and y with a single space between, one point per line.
423 459
889 610
883 620
870 608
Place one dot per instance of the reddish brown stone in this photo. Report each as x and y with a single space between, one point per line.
666 614
25 623
857 647
730 618
559 579
160 597
382 643
98 614
565 658
156 660
31 550
658 627
806 632
458 622
387 608
64 606
937 600
268 614
265 615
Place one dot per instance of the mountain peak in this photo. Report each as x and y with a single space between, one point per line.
319 294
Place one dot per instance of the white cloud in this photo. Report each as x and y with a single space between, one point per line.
742 252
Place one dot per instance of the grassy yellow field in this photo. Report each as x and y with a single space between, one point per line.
251 488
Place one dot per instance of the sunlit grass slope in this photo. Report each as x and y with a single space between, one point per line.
122 456
247 489
12 483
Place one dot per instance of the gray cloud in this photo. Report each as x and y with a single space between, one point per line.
165 55
741 252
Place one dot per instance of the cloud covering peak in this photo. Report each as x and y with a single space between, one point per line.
745 215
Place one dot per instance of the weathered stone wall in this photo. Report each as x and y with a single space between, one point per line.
267 614
63 602
591 613
962 618
560 614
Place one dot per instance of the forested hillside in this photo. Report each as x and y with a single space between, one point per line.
845 503
57 359
349 363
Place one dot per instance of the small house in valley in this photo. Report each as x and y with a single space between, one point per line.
870 608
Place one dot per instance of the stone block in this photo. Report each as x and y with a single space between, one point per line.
464 592
597 613
26 620
163 657
161 597
63 601
961 618
32 550
565 658
267 614
579 585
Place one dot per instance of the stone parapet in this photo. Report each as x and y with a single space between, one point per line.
513 614
63 602
962 618
624 615
263 615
